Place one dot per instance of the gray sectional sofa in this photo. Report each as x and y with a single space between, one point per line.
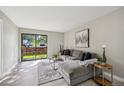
72 71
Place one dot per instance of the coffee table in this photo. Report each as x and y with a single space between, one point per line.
54 62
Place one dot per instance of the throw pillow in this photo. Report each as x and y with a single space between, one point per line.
71 52
82 56
87 56
62 52
67 52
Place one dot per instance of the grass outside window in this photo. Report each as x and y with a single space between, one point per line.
32 56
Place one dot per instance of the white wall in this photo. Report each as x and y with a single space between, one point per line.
10 43
1 46
55 39
108 30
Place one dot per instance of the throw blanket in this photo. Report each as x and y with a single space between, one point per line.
87 62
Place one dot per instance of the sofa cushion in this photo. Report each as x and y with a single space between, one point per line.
76 53
94 55
73 69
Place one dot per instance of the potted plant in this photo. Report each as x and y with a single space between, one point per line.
55 56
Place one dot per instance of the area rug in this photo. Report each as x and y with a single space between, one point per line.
46 72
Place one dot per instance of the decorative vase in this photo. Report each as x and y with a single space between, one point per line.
104 56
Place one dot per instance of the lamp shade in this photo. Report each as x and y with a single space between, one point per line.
104 46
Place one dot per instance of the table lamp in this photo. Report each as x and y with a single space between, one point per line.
104 56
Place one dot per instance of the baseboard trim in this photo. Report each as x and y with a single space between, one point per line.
9 70
115 77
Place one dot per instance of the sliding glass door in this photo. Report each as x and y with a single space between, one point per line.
41 46
33 46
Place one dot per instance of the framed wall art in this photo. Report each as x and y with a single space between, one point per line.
82 38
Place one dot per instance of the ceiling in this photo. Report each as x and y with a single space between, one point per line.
57 18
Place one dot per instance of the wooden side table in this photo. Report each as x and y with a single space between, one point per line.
102 80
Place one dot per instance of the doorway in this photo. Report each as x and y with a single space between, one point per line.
33 46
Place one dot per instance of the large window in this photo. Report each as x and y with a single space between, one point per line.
33 46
